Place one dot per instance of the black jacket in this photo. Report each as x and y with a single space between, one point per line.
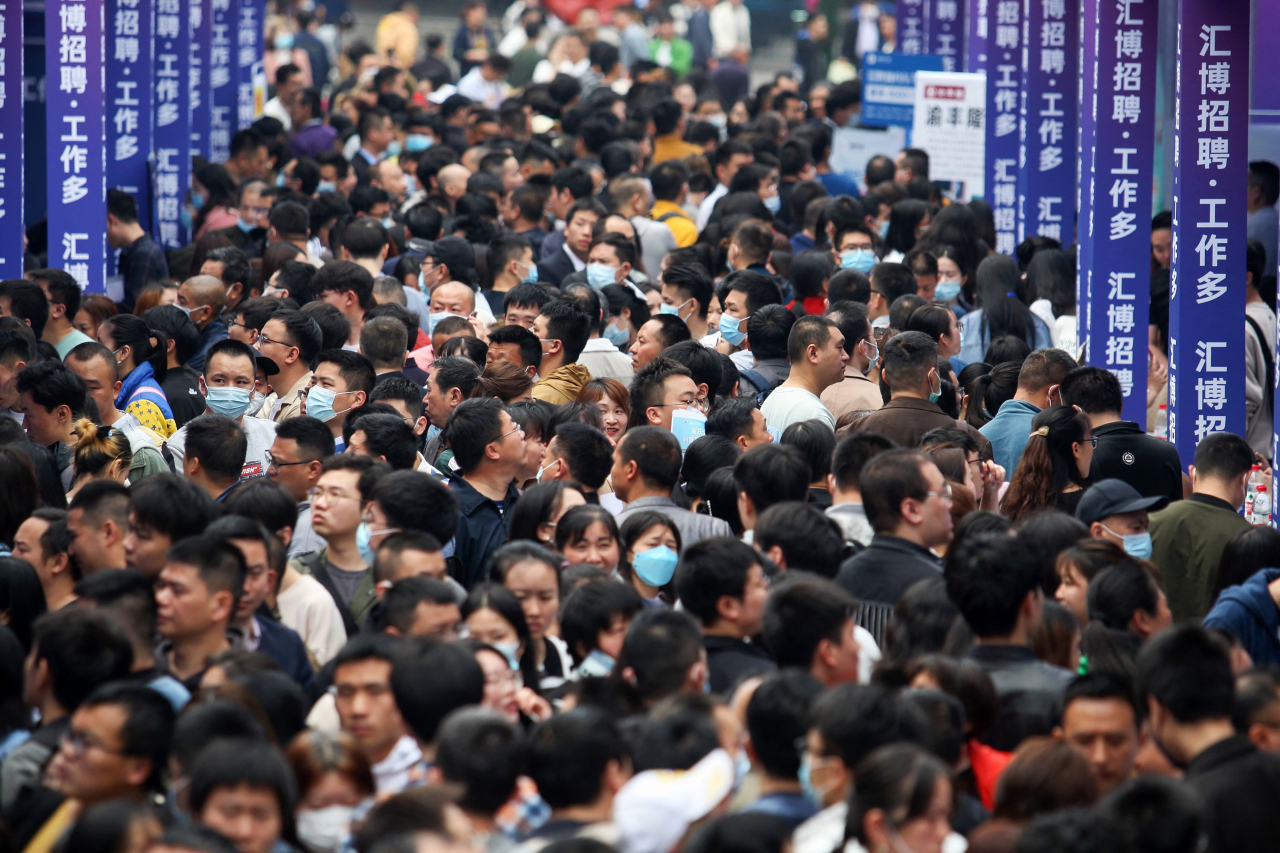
553 270
886 568
733 661
1028 690
482 529
1145 462
283 645
1240 786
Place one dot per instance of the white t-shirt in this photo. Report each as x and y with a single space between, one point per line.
787 406
261 434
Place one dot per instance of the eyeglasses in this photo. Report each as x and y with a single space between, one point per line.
509 432
314 495
945 493
263 339
79 742
256 335
273 462
1093 440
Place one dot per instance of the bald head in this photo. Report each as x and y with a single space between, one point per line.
455 298
453 180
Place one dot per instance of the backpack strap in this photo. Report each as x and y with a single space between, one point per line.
1268 359
321 573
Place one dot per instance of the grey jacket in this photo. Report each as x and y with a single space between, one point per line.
692 526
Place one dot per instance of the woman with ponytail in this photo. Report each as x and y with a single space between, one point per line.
991 390
902 800
141 356
100 452
1001 310
1054 469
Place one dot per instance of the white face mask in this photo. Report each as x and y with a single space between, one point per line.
324 830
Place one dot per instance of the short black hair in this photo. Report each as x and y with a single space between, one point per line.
592 608
473 426
525 340
1223 455
886 481
703 363
148 724
1102 685
356 370
219 443
27 302
907 358
731 417
671 329
387 436
1094 390
772 473
711 569
759 289
1265 175
52 384
809 540
816 441
399 606
988 577
691 280
83 649
484 752
233 762
1188 671
801 612
660 647
587 451
769 330
312 436
235 262
264 502
778 718
526 296
856 719
649 385
172 505
569 753
219 564
414 500
400 388
892 281
849 286
454 371
127 593
853 452
232 347
343 276
430 680
656 453
63 289
569 324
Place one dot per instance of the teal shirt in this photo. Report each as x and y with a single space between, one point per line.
70 342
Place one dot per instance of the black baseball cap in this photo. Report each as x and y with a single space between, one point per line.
1114 497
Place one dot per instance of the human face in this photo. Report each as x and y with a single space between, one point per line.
94 767
577 234
550 345
1105 732
366 706
1116 527
610 639
327 376
596 546
440 404
413 562
200 314
647 345
98 379
248 816
510 442
89 545
453 299
499 684
603 253
537 587
43 426
949 344
185 606
435 620
1072 592
1162 246
259 579
654 537
534 450
679 392
832 358
851 240
145 547
521 315
489 626
726 172
26 546
225 370
331 789
926 833
685 306
288 468
273 342
935 527
948 271
759 432
335 506
612 417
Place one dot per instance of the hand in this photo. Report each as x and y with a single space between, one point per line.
992 475
476 323
1157 374
532 705
1263 464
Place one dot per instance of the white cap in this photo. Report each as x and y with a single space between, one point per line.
654 810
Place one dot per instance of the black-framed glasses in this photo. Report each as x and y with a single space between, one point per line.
1093 440
263 339
273 462
80 742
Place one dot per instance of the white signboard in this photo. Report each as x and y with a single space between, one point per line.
950 117
852 147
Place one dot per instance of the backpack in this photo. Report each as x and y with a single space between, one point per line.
758 380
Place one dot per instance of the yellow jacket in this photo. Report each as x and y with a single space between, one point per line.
396 32
672 147
563 384
682 227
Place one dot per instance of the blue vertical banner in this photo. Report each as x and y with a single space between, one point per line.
172 120
946 33
201 91
222 88
1004 80
1206 309
11 183
249 66
130 88
1047 125
75 105
975 39
1120 102
1086 98
912 26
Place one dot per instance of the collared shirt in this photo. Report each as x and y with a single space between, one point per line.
855 393
290 404
578 263
1008 432
391 774
709 203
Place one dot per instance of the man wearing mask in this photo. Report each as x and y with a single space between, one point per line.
341 382
202 298
227 384
451 381
857 391
816 350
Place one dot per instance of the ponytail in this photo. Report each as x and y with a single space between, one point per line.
97 447
148 345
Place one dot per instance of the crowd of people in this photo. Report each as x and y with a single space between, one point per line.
539 447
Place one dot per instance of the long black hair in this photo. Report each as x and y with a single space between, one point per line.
1001 293
499 599
147 344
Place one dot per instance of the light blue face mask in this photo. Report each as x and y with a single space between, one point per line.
1135 544
410 184
394 149
657 566
875 359
601 276
673 310
245 226
729 330
364 540
326 187
884 229
280 179
197 200
389 223
946 290
741 768
806 781
773 204
934 395
509 651
232 402
284 41
531 277
596 665
861 260
184 216
433 431
435 317
616 336
418 142
320 404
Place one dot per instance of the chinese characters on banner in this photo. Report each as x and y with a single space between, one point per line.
975 47
201 92
1086 95
130 87
76 140
950 117
1119 130
1206 310
221 80
1004 79
946 33
1047 126
11 183
911 27
172 120
249 67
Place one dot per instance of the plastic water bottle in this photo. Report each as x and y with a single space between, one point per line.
1257 501
1162 422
